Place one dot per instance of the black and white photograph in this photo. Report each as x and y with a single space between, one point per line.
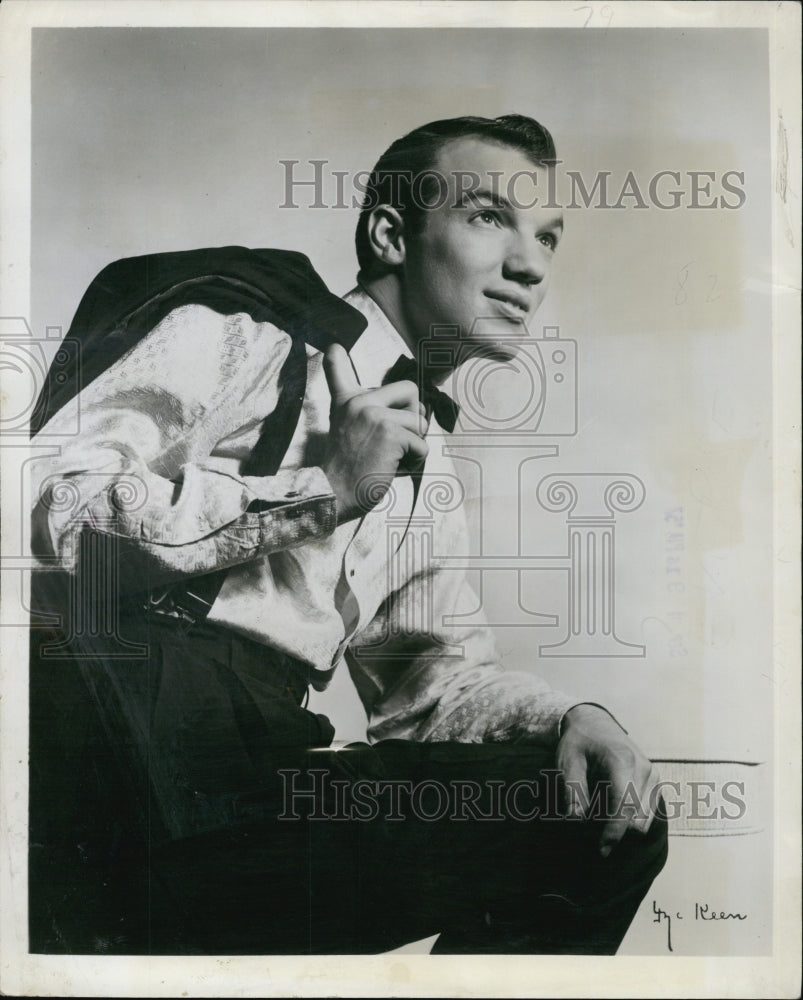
400 494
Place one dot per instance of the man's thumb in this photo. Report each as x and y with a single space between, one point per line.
339 374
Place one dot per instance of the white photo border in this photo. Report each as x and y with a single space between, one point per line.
411 975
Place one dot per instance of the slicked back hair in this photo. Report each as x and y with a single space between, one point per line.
404 177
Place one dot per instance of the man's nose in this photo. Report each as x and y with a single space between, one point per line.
525 260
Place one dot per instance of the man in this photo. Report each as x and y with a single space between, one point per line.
215 815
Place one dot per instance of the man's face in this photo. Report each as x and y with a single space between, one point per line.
483 259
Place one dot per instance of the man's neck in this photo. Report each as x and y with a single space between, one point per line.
386 292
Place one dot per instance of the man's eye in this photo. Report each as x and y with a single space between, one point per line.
549 240
486 217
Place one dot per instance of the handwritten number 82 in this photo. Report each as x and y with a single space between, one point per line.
682 288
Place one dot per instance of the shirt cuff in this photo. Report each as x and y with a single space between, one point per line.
295 506
290 486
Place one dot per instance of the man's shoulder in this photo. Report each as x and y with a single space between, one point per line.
268 283
132 295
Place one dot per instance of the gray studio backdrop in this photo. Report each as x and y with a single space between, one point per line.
153 140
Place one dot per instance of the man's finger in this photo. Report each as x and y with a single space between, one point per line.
612 833
647 798
575 784
415 447
626 805
396 395
339 374
411 421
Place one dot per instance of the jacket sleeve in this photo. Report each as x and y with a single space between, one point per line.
445 682
139 465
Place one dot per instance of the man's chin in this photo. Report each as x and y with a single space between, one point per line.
497 339
494 350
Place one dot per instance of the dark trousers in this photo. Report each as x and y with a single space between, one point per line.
184 802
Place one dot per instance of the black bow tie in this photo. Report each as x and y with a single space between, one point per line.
434 399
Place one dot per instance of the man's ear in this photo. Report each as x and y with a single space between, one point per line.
386 235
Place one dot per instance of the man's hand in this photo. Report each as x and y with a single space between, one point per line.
595 753
373 435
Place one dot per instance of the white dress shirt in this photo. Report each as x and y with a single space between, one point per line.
171 423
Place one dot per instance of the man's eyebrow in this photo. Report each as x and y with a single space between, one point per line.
498 201
493 197
556 222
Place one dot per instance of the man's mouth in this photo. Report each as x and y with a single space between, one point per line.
512 306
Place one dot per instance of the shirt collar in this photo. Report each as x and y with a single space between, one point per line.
380 344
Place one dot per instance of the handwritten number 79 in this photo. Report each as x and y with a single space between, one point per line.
605 12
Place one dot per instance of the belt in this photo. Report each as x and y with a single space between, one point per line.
165 611
187 605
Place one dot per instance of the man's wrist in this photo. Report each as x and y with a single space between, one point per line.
584 709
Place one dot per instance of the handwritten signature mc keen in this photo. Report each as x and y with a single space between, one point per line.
702 911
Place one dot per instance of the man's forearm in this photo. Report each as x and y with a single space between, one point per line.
216 522
511 707
140 469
